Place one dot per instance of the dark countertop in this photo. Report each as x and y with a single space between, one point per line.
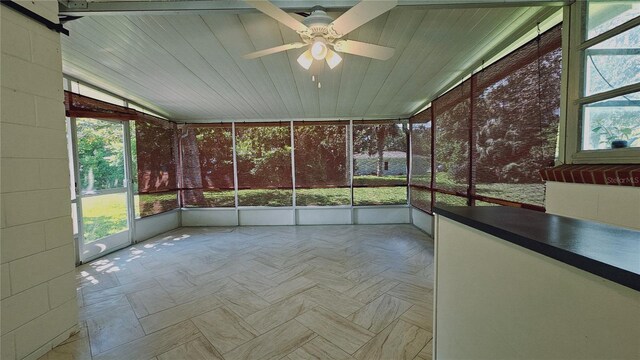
607 251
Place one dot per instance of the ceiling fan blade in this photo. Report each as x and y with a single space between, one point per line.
273 50
363 12
275 12
364 49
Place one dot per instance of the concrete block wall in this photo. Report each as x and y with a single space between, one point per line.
38 308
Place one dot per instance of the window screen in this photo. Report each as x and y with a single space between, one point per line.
376 143
501 124
420 181
322 163
207 166
516 107
263 152
451 144
156 153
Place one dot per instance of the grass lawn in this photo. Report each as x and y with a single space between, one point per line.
323 197
524 193
380 196
379 180
103 215
107 214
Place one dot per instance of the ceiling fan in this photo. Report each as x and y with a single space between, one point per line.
319 32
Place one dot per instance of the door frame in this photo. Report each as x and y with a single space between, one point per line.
111 242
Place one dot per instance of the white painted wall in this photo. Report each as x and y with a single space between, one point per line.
38 305
151 226
266 216
298 216
422 220
209 217
497 300
382 215
323 216
617 205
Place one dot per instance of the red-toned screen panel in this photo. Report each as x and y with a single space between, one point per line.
78 106
321 155
263 152
421 198
207 166
420 179
156 203
157 156
516 107
421 149
452 116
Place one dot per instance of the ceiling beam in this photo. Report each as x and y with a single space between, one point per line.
158 7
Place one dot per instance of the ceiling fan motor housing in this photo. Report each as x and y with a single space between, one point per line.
318 22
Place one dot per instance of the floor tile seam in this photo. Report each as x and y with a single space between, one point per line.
257 336
416 325
397 317
315 304
124 293
249 290
252 330
220 304
393 323
315 335
201 335
209 341
117 346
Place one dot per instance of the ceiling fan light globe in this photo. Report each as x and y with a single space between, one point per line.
305 59
333 59
319 50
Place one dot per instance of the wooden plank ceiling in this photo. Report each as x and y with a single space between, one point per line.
190 67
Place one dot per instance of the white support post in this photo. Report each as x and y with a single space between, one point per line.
293 172
131 212
351 174
235 171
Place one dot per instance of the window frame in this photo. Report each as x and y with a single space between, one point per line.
575 43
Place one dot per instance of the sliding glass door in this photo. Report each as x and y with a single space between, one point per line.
102 198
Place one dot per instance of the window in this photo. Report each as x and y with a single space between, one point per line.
420 180
321 152
156 166
606 15
207 166
263 153
485 140
374 143
515 116
452 118
603 117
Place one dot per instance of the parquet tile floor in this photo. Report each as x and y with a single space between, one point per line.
308 292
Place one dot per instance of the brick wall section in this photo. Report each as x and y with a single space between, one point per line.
38 296
617 175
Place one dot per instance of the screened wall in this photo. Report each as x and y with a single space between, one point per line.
481 143
207 166
156 165
322 172
492 133
380 165
421 160
154 148
263 155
